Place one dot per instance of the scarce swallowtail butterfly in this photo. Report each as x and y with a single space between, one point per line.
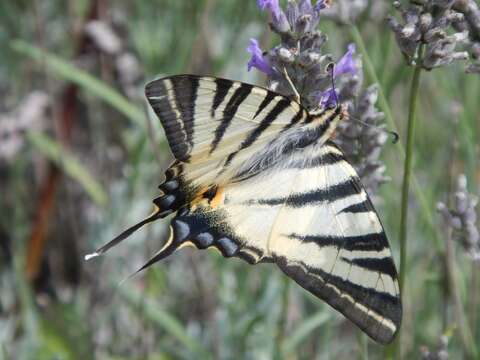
257 177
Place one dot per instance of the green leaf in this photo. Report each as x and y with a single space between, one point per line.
83 79
69 164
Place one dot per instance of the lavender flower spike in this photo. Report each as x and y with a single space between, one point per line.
346 64
279 20
258 60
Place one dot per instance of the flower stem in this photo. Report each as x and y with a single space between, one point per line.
407 167
395 349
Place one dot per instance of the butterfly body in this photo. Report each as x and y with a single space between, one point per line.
257 177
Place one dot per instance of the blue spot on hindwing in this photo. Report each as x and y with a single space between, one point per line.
227 246
204 240
181 230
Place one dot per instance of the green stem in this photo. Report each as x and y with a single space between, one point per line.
407 167
395 349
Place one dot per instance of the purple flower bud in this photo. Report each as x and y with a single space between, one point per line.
272 6
346 64
305 6
258 60
321 4
280 21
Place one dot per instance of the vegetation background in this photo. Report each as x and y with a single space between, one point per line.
80 161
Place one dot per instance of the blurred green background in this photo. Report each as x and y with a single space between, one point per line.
81 157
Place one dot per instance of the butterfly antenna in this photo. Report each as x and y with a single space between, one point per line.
290 82
395 136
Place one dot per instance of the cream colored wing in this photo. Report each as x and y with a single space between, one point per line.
313 219
255 179
214 125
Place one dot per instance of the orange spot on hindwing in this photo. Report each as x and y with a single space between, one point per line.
212 196
219 197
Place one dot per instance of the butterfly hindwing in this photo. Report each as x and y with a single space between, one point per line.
312 217
336 248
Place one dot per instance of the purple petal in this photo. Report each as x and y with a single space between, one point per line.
346 64
258 60
310 13
272 6
328 98
292 12
278 16
305 7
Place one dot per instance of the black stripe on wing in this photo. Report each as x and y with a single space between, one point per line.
332 193
300 115
360 207
281 105
382 265
229 112
222 88
177 136
333 289
367 242
265 102
185 90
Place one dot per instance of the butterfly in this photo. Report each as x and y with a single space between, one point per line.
257 177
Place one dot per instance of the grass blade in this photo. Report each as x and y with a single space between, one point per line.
161 318
83 79
69 164
303 331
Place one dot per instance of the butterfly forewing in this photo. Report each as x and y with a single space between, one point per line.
242 185
210 119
